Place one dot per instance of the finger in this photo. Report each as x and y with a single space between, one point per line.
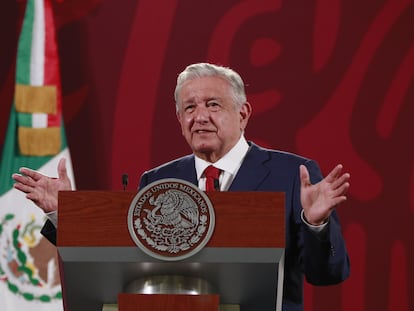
338 200
23 179
342 190
23 187
32 196
18 178
339 191
31 173
344 178
62 172
304 176
333 175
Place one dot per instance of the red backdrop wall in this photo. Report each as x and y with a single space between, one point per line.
328 79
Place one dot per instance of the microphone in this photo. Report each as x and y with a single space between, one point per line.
124 181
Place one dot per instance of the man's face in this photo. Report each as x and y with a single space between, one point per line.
211 122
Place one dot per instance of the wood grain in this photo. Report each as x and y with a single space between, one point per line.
243 219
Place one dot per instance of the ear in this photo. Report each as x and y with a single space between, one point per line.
245 112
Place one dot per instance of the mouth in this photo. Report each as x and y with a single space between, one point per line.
201 131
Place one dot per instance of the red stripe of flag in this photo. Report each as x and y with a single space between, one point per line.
51 65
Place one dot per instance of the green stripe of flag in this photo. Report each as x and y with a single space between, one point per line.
24 119
24 49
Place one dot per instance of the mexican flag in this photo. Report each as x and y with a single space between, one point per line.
35 138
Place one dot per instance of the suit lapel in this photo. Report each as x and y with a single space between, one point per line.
250 176
252 172
186 170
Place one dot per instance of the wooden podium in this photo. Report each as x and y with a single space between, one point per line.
243 259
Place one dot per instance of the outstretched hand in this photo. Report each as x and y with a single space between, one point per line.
320 199
41 189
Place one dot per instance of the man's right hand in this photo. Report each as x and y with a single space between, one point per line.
41 189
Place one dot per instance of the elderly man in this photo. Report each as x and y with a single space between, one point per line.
213 112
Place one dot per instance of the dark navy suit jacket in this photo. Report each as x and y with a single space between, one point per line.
321 258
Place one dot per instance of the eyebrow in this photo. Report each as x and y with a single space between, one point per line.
192 99
214 98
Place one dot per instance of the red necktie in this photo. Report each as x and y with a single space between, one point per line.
212 178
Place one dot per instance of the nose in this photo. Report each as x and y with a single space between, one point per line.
201 114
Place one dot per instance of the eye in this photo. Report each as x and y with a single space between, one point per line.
213 105
189 108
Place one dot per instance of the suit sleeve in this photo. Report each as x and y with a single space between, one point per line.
325 258
49 232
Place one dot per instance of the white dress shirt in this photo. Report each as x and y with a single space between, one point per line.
229 164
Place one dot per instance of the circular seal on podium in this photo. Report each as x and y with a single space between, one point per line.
171 219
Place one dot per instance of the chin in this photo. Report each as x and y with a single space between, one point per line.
203 149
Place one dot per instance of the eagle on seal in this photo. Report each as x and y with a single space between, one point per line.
173 208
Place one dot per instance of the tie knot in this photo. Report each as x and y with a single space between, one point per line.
212 172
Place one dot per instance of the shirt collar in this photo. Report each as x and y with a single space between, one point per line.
229 163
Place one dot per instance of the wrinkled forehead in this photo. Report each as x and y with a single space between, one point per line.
204 88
